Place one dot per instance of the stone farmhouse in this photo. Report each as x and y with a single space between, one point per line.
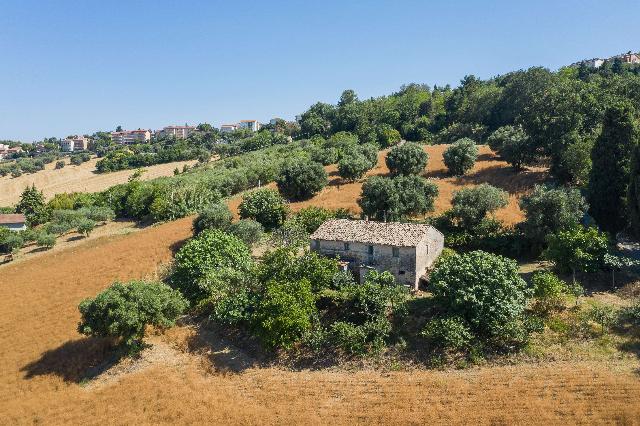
406 250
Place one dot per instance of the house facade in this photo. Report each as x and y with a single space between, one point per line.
131 137
178 132
13 222
406 250
74 144
228 128
251 125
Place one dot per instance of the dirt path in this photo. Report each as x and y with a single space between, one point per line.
80 178
43 362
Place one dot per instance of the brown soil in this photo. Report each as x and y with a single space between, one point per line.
82 178
43 362
488 169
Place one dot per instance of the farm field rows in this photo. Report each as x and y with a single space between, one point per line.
43 362
80 178
489 168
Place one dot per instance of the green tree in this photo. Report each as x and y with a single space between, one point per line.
380 199
265 206
215 216
577 250
60 164
512 144
461 156
610 174
353 167
389 137
549 210
471 205
247 230
417 194
284 313
301 180
122 311
210 252
46 240
33 206
406 159
486 292
86 226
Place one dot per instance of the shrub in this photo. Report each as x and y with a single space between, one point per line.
59 164
310 218
451 333
471 205
122 311
216 216
300 180
485 291
548 290
247 230
86 226
283 314
461 156
46 240
631 314
408 158
283 264
603 315
353 167
578 249
265 206
100 214
10 241
212 250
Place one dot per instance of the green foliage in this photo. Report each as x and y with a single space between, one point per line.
216 216
406 159
265 206
353 167
247 230
33 206
86 226
210 251
384 198
547 285
122 311
284 313
310 218
549 210
283 264
578 249
471 205
60 164
46 240
631 314
611 159
389 137
486 292
448 332
512 144
300 180
10 241
461 156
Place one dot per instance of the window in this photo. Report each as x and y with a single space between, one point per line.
402 272
346 246
396 252
370 250
316 244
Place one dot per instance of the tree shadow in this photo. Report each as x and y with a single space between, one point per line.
76 360
505 178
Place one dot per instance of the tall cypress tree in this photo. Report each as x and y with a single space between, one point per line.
610 174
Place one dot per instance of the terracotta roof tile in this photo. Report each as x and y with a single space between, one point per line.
369 232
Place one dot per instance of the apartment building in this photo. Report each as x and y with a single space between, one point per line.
228 128
74 144
131 137
178 132
252 125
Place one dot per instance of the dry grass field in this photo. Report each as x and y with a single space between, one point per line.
80 178
489 168
43 363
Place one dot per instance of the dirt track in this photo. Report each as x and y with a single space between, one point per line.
43 360
80 178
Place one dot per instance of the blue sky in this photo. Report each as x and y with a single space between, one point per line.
72 67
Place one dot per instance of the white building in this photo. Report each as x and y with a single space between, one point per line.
228 128
5 151
74 144
13 222
594 63
131 137
252 125
178 132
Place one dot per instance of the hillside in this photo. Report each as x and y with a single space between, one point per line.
82 178
489 168
44 362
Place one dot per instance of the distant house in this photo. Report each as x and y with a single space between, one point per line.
252 125
74 144
5 151
131 137
178 132
630 58
13 222
228 128
406 250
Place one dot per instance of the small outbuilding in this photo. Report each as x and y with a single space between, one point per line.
406 250
13 222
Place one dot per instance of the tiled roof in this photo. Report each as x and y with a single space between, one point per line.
12 218
369 232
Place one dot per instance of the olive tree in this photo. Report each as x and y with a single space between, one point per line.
265 206
216 216
406 159
471 205
301 179
353 167
461 156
